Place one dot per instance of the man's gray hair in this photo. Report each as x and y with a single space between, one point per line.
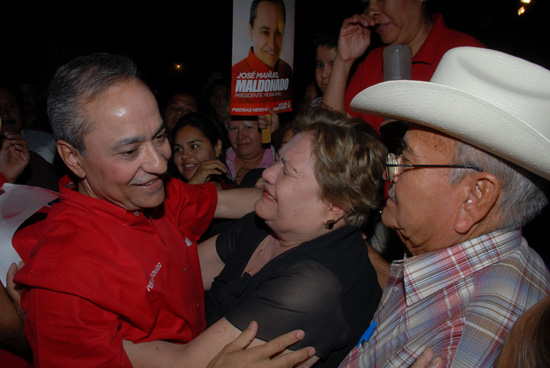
523 195
78 83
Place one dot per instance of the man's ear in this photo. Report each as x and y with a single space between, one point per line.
250 32
481 193
71 157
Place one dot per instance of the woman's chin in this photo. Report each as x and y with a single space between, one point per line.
261 208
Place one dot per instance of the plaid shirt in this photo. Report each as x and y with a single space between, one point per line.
460 301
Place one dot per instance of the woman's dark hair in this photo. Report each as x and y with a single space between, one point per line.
208 127
213 132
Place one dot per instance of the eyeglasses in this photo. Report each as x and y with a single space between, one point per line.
393 169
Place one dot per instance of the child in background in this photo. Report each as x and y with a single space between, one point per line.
326 48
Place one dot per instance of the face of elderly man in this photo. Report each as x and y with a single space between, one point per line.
126 151
424 207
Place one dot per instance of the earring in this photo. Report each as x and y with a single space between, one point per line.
330 224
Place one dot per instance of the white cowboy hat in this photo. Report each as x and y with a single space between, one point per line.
489 99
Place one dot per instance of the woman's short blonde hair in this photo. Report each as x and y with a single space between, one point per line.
349 162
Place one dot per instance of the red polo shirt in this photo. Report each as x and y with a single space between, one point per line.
370 71
100 274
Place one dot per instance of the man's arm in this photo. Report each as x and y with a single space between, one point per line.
207 348
235 203
55 321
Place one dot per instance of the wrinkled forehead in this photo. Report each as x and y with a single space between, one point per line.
422 141
130 99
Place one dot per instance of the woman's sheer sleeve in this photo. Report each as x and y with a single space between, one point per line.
295 300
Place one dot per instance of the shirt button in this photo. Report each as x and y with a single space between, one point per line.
396 289
184 269
198 306
136 213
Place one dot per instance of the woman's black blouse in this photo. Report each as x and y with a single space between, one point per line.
326 287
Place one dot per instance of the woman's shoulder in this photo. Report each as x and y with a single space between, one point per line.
341 255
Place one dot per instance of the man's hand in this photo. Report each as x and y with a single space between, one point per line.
425 360
14 290
267 355
14 156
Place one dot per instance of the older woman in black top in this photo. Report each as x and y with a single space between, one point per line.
300 261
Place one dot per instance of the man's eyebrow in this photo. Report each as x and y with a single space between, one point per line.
125 141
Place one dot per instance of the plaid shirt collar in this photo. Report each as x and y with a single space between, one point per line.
429 273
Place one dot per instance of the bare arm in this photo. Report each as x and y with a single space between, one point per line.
235 203
211 264
200 351
353 42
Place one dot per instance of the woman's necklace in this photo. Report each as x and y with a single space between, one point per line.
251 264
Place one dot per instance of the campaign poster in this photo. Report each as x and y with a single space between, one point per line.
262 56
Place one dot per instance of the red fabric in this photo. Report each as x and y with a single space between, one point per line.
370 71
2 180
10 360
100 274
28 233
257 100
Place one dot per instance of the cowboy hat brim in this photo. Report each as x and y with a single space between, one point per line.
461 115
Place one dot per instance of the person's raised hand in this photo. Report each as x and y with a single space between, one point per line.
14 156
236 354
206 169
355 37
271 120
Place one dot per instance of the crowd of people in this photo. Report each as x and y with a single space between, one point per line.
181 239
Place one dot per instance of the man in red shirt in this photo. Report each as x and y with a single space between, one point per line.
116 259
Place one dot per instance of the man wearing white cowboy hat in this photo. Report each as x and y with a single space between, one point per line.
474 163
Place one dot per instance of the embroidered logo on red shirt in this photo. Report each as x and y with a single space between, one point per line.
152 276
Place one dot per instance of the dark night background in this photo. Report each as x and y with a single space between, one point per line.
39 36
